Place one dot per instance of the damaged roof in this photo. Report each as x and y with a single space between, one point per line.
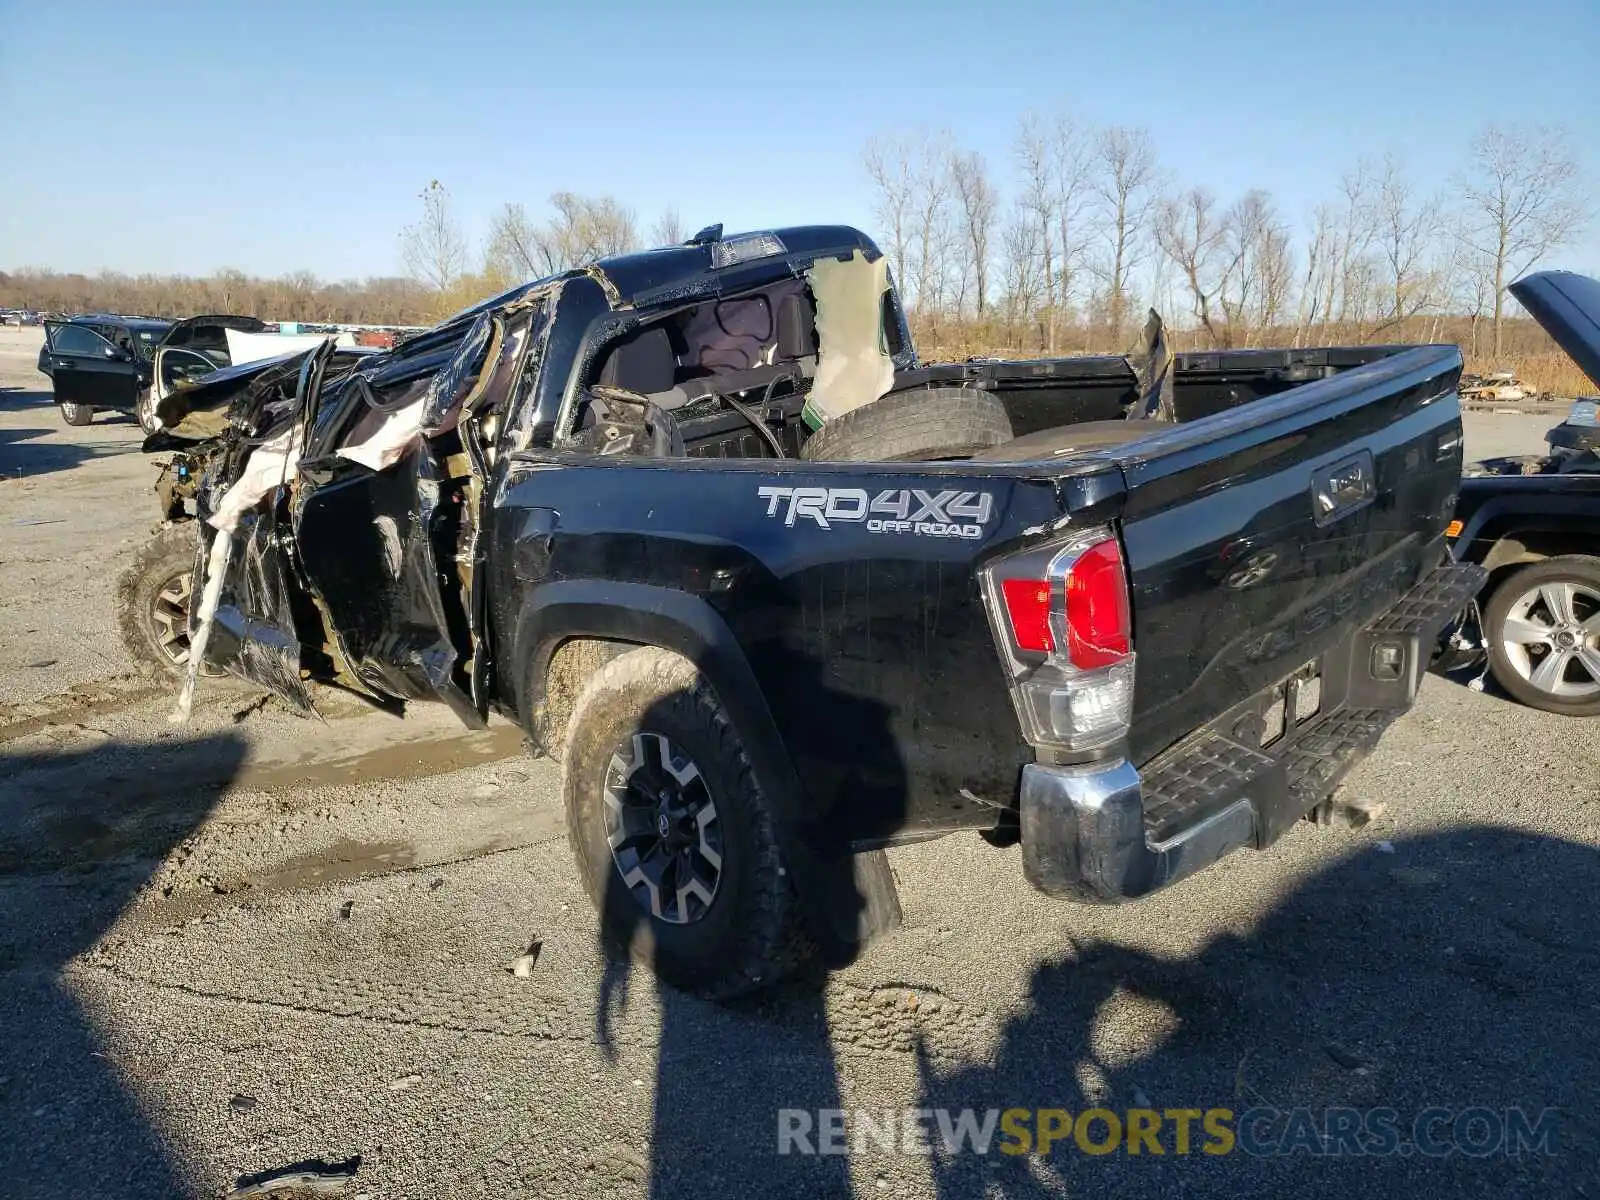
644 275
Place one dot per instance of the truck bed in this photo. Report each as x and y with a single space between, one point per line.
874 653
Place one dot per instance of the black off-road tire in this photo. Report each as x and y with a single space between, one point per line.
1580 570
147 593
76 414
920 425
749 936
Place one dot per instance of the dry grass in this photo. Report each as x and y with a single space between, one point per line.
1528 351
1551 372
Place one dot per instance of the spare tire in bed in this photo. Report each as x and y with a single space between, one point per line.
920 424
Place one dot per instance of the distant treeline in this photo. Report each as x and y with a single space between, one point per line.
296 297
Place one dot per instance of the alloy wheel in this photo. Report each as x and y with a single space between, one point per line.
661 825
169 617
1551 637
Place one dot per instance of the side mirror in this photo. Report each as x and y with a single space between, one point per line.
117 354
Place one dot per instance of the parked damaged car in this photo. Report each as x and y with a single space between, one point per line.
778 595
1533 521
129 364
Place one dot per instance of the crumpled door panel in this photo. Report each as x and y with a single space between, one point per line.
253 633
367 542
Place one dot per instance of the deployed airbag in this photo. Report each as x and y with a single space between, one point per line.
253 347
853 364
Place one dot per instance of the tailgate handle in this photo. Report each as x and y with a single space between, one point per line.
1339 490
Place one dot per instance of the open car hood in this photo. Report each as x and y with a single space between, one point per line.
184 331
1567 307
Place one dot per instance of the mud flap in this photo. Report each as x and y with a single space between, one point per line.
849 901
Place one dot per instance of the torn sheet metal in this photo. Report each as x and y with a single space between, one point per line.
853 364
246 623
372 555
1151 362
271 465
613 296
380 438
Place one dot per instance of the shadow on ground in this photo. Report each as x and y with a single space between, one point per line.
22 456
81 832
15 399
1457 972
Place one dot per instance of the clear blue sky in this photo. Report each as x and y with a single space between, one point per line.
277 136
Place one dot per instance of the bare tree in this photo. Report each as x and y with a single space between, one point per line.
513 249
1193 234
1070 166
584 229
1259 266
980 205
1408 228
433 249
888 162
931 199
1020 259
1352 238
1125 185
668 229
1319 266
580 230
1236 263
1038 203
1523 192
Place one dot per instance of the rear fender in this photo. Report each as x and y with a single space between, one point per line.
846 903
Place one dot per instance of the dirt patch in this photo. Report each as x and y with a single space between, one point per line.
75 704
393 759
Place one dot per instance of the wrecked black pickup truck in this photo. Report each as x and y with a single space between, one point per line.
778 595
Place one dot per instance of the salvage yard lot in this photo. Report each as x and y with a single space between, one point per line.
255 940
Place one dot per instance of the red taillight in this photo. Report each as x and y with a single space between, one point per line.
1061 615
1028 608
1098 620
1098 624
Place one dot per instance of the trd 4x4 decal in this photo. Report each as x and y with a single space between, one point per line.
931 514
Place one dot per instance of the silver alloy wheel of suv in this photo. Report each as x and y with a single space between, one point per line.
1551 637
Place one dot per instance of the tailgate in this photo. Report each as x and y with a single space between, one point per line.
1259 538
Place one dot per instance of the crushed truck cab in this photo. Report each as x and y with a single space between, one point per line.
779 595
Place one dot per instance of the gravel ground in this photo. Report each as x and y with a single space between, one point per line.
256 941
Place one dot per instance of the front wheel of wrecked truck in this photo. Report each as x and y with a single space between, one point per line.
674 839
153 599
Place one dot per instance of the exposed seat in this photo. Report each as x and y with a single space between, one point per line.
647 358
643 362
1071 439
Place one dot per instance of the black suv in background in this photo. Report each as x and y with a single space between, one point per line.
112 362
97 362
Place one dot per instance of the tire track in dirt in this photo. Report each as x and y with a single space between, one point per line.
394 758
71 707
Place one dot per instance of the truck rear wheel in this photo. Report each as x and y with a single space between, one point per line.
76 414
674 840
1542 626
923 424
